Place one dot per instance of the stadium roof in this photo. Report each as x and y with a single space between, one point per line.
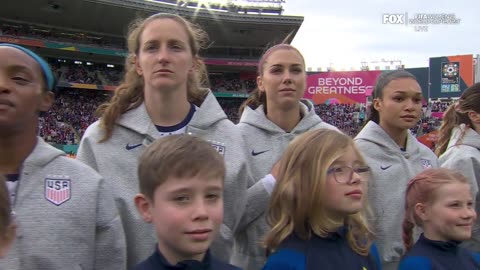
111 18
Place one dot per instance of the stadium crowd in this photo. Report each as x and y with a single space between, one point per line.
74 110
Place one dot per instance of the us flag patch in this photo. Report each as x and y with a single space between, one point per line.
57 190
426 163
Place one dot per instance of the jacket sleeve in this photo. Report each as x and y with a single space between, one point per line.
258 199
110 243
415 263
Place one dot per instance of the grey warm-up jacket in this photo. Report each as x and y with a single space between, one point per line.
265 143
117 161
463 155
391 169
66 217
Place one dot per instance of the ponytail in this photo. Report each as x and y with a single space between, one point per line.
451 119
255 99
407 233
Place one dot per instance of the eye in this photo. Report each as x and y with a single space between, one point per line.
417 100
297 70
213 196
362 169
20 80
398 99
181 199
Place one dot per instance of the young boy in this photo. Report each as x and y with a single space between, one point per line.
65 214
181 193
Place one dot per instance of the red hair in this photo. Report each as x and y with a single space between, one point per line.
422 189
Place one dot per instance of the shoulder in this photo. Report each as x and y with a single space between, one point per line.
94 130
286 259
415 263
476 257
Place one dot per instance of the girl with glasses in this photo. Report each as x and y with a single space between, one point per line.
317 210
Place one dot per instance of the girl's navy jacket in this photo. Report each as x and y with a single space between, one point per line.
427 254
330 253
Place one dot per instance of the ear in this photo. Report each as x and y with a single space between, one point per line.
377 104
7 240
421 211
260 84
138 68
143 205
46 101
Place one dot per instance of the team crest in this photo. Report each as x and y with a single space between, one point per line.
426 164
58 190
219 147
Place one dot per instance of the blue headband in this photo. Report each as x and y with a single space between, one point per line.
47 72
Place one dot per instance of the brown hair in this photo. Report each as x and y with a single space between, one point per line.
5 208
421 189
129 94
382 81
258 97
177 156
296 204
457 114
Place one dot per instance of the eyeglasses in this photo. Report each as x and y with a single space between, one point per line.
344 174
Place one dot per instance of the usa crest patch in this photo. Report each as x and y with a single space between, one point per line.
58 190
426 164
220 147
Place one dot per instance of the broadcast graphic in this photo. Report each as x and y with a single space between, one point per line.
450 75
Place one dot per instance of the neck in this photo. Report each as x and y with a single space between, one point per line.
433 237
285 119
167 108
173 257
399 136
476 127
14 149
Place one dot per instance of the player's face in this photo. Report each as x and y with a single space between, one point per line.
283 79
194 207
451 215
164 58
400 108
21 91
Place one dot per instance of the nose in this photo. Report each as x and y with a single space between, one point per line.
469 213
163 55
410 106
287 77
4 84
200 211
355 179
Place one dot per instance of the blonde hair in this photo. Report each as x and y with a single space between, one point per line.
421 189
303 171
177 156
129 94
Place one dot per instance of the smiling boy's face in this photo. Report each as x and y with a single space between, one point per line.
187 214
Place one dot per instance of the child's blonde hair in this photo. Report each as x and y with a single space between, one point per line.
296 205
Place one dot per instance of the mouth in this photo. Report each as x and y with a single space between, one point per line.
287 90
199 231
354 193
163 71
5 102
409 117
